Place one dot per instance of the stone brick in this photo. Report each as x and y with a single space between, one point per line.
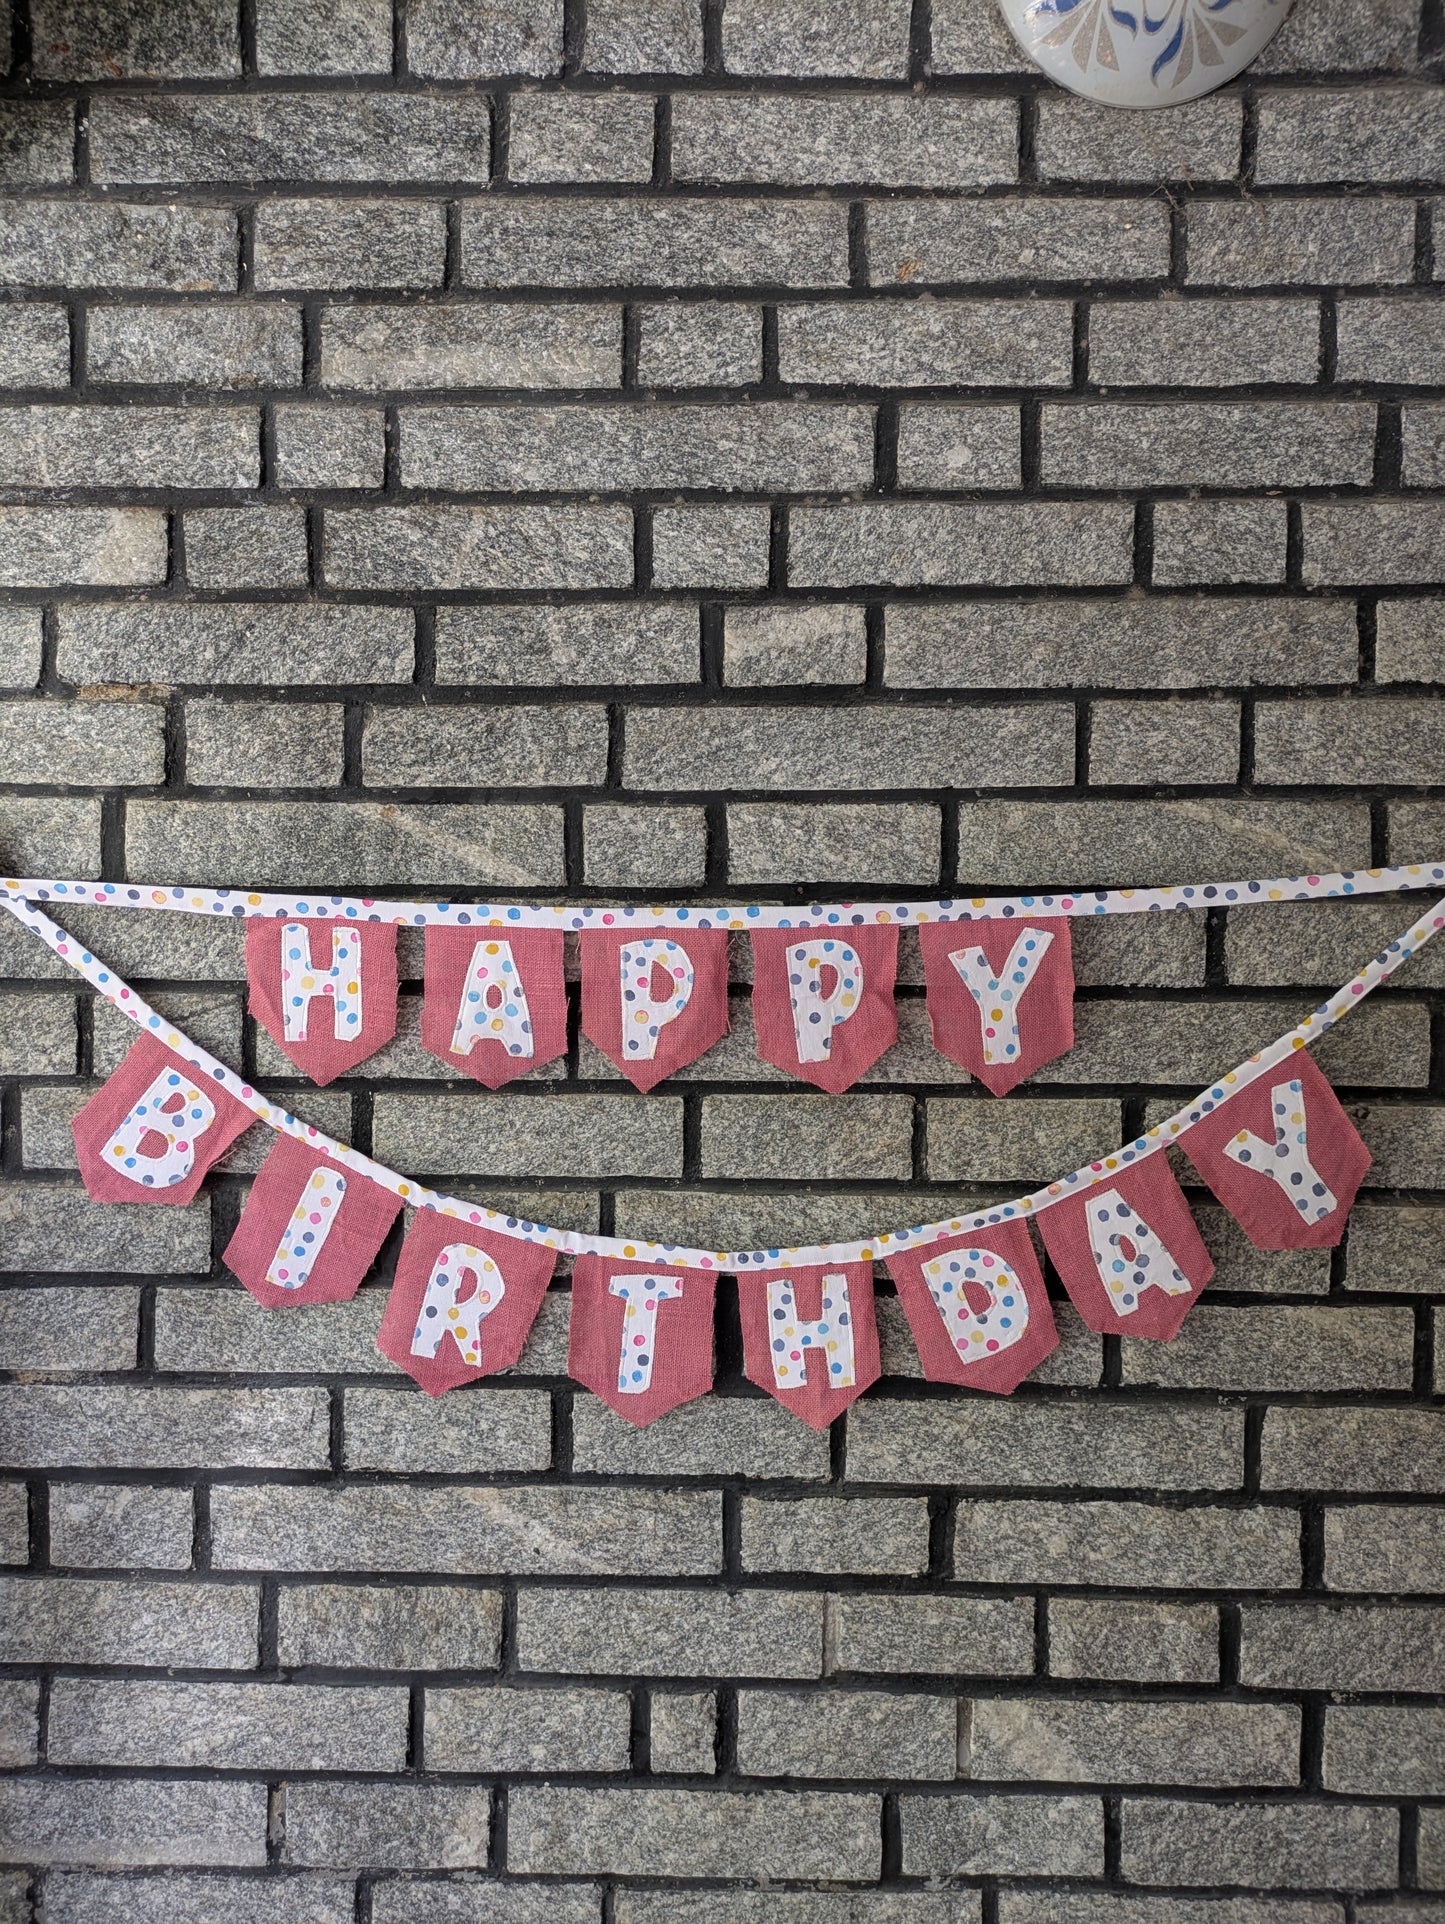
943 1636
659 1633
1085 140
427 546
245 344
715 1436
1299 742
968 1835
573 645
233 744
889 844
1301 243
83 40
683 1732
113 244
83 1898
116 1526
470 345
924 241
14 1523
1408 1145
94 1821
112 743
667 1833
940 544
1308 1646
1110 1907
351 243
1339 37
1377 1750
867 1536
37 142
323 447
584 137
1045 1444
212 1019
1126 1642
1399 1450
402 1626
700 344
793 644
632 848
236 642
1102 844
1271 1846
888 140
643 36
412 1901
35 351
1432 1854
540 1531
1400 340
959 447
488 1431
54 1226
1214 444
81 547
246 548
335 37
1381 1547
1423 447
851 1733
1225 1745
263 1727
973 39
19 1706
1204 343
129 447
1223 543
392 1826
1134 744
1396 1249
115 1426
1325 134
501 1729
1271 1348
319 844
1318 942
1130 1545
37 1034
289 137
627 243
974 1141
451 40
851 38
836 1138
721 547
508 747
1168 643
531 1135
87 1620
927 343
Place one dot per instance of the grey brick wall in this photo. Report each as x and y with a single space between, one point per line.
703 446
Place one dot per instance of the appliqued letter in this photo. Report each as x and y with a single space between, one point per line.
998 996
1286 1161
304 1237
976 1334
443 1315
155 1144
644 1015
493 1007
1129 1257
340 983
831 1335
641 1296
825 980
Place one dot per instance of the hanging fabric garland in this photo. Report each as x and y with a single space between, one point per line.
495 1005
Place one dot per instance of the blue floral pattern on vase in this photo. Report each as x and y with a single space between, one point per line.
1143 53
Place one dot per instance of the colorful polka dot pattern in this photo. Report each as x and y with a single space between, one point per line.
305 1235
642 1296
443 1315
816 1015
493 1007
998 996
340 983
1129 1257
643 1018
155 1143
978 1333
791 1337
1287 1161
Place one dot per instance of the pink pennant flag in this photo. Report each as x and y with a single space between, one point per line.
1000 995
325 992
654 1003
641 1334
1128 1252
977 1307
495 1004
810 1336
823 1001
310 1229
463 1302
156 1127
1283 1158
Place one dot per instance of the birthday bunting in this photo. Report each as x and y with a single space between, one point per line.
654 1003
325 992
641 1335
496 1005
977 1307
155 1128
463 1302
810 1337
1128 1252
1000 995
310 1229
823 1003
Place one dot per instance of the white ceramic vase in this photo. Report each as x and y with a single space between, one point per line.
1143 53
